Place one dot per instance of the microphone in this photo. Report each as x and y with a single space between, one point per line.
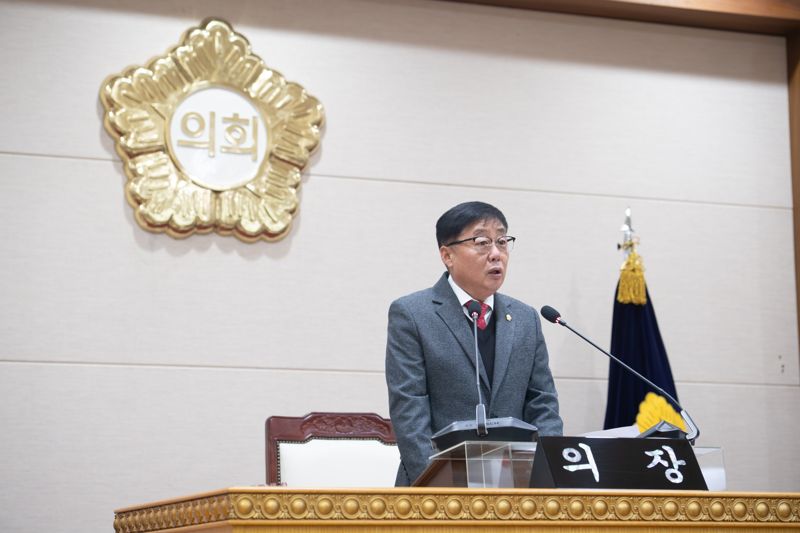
551 314
554 316
474 309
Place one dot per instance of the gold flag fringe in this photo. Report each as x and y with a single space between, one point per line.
631 281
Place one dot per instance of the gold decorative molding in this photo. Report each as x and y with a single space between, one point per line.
460 506
211 139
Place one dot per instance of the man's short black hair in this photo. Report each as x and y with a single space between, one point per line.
455 220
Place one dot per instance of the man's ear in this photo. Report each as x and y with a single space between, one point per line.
444 252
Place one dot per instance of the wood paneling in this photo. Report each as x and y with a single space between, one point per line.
144 433
113 293
793 69
573 105
140 356
777 17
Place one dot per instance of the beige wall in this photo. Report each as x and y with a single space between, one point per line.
135 367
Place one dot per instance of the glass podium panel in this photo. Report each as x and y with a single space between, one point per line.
712 465
484 464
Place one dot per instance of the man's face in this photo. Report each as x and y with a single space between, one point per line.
480 274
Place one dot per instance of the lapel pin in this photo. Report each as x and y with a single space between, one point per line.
508 318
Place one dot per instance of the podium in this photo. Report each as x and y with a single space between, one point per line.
483 493
481 464
281 509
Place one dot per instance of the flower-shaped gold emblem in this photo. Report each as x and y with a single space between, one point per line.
655 408
211 138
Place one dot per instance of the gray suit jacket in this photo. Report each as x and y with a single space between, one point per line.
430 371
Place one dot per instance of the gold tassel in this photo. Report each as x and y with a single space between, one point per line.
631 281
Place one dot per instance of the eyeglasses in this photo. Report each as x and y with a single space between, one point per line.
483 244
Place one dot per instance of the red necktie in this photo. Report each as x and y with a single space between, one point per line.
482 317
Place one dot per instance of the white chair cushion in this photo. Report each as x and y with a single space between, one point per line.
338 463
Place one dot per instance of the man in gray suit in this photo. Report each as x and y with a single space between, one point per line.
430 354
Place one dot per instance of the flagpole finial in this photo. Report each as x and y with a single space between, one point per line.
631 288
629 238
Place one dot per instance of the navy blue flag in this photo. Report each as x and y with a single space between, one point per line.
635 339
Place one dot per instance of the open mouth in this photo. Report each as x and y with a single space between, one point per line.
495 271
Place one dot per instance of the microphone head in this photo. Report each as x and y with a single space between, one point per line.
474 308
550 314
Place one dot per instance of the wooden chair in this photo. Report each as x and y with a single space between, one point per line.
331 450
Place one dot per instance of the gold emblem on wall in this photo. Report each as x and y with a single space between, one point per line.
211 139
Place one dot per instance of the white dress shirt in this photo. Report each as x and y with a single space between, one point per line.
464 298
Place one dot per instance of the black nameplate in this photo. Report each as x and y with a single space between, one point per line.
584 463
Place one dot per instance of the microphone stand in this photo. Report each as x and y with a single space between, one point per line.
693 432
480 409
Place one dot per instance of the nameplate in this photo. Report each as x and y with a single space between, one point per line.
623 463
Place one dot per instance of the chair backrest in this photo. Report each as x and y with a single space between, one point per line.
331 450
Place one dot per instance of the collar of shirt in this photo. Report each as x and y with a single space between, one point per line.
464 298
